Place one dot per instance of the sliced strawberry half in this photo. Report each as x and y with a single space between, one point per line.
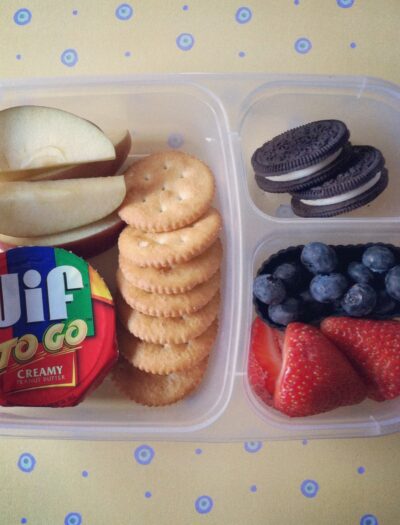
265 348
315 376
374 349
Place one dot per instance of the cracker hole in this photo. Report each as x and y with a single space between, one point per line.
143 200
146 177
163 188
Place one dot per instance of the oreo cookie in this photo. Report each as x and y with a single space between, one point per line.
302 157
364 178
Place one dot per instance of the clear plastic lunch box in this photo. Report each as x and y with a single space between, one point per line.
222 119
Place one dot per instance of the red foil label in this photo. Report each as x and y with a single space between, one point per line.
57 327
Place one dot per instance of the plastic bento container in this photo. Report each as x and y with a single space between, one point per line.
222 119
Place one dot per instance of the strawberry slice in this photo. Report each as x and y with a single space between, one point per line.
315 376
374 349
258 378
266 343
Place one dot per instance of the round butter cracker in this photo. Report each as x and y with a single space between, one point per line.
169 248
157 390
164 359
166 191
167 329
168 305
174 279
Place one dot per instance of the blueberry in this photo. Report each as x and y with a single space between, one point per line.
360 300
289 273
328 288
286 312
384 303
392 282
378 258
268 289
360 273
318 257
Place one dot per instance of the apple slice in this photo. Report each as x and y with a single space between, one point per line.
30 209
122 143
86 241
38 137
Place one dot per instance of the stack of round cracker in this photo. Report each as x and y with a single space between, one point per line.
168 278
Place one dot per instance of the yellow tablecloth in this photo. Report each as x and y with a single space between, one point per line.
347 482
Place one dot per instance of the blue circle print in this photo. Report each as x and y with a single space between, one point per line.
144 454
185 41
22 17
175 140
309 488
253 488
124 12
69 57
243 15
24 520
345 3
252 446
369 519
198 451
73 518
26 462
147 494
302 45
85 473
361 470
204 504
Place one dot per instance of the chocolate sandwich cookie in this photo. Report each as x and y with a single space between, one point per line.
364 178
302 157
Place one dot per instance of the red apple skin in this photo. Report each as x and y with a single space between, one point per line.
86 247
102 168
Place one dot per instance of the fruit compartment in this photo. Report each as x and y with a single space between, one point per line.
278 106
346 254
369 417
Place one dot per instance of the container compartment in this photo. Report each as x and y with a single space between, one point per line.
371 112
159 116
367 418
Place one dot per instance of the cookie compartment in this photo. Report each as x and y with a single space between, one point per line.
365 419
370 109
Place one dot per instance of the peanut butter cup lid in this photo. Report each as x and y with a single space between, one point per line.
57 328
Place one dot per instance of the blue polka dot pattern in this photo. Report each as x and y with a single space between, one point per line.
309 488
22 17
185 41
26 462
305 441
127 54
369 519
69 57
345 3
18 57
302 45
252 446
353 45
124 12
75 12
253 488
85 473
243 15
198 451
185 7
361 470
24 520
147 494
73 518
144 454
242 54
175 140
204 504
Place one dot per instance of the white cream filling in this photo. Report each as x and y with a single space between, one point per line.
294 175
345 196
